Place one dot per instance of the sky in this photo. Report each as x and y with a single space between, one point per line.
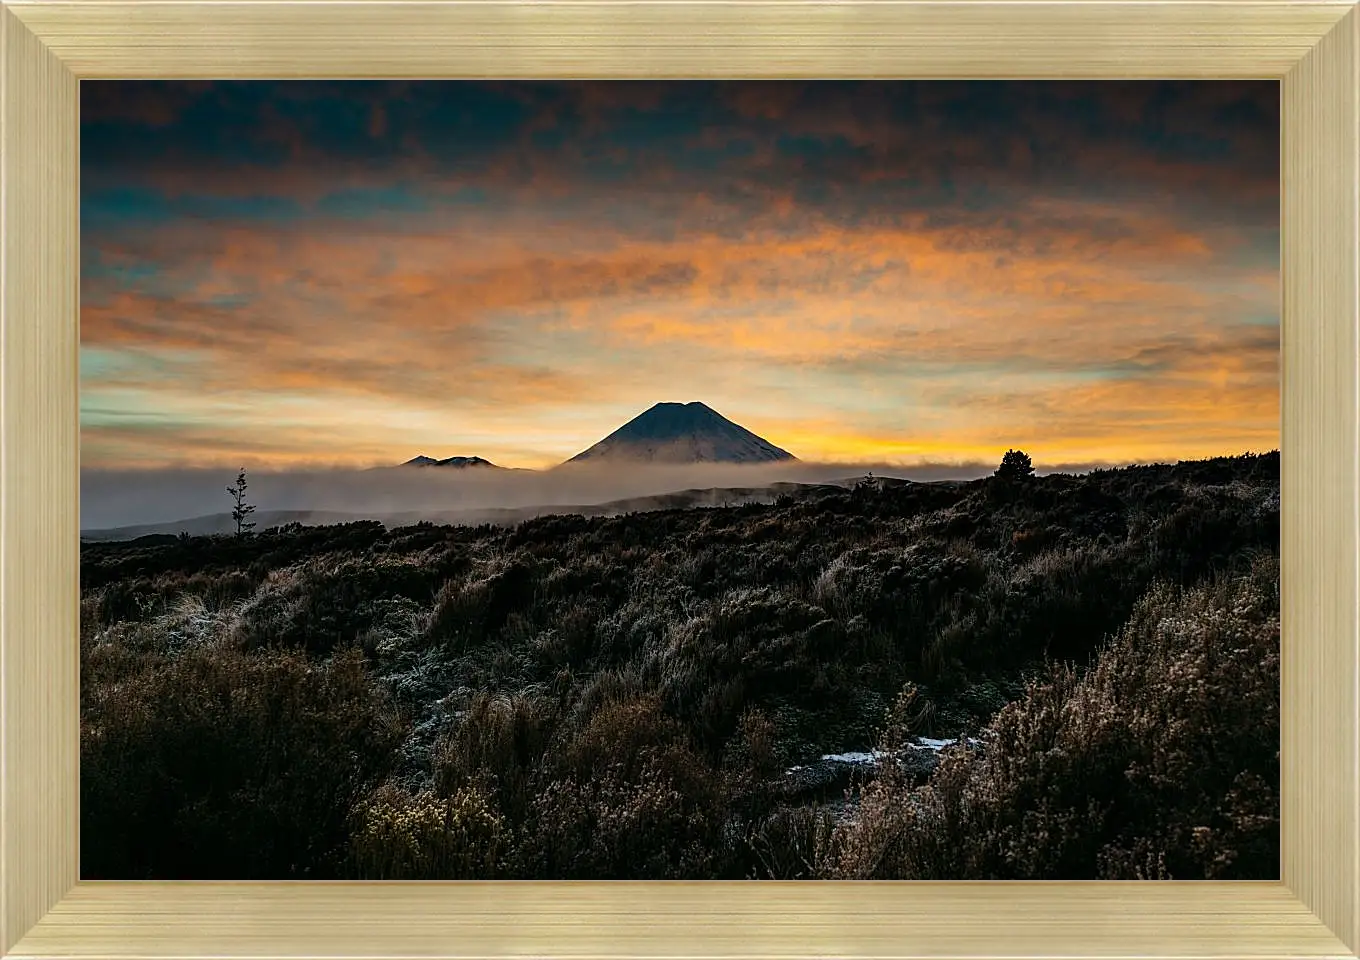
299 275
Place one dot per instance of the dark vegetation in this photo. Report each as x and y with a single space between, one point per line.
621 698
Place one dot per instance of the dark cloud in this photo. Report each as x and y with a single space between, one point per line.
957 141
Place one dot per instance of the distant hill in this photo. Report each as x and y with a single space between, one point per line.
458 462
222 523
683 433
214 523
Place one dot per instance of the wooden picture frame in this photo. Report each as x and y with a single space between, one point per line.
48 45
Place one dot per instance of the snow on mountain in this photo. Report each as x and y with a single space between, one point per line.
424 461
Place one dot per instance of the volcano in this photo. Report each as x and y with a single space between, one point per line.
682 433
458 462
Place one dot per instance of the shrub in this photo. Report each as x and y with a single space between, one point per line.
1015 465
795 843
500 741
399 835
471 610
1161 760
620 738
666 823
757 744
218 764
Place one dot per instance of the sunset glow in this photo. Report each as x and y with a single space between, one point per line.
298 274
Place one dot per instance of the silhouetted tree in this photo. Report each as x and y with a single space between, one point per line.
1015 465
241 511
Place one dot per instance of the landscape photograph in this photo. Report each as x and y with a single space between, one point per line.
679 480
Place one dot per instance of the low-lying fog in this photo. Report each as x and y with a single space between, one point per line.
112 499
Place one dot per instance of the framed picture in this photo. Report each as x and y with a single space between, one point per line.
742 635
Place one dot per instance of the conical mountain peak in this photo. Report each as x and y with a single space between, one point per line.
691 432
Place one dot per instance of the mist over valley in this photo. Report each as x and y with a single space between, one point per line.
672 455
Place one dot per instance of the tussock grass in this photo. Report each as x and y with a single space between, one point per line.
610 698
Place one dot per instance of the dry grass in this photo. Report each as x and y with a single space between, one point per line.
601 698
1160 761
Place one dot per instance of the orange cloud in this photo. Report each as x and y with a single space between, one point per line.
1089 325
444 328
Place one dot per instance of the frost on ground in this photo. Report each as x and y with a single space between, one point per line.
831 775
626 698
873 757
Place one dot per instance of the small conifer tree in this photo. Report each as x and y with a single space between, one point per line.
241 511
